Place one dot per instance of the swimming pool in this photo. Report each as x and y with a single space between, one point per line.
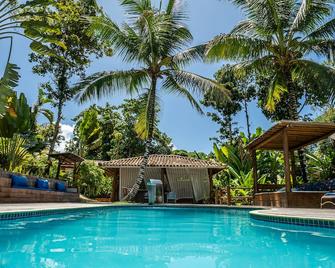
162 237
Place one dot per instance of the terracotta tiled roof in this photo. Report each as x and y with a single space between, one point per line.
163 161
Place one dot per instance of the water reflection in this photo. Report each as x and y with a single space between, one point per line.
161 238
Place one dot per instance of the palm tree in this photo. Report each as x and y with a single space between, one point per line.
152 39
276 39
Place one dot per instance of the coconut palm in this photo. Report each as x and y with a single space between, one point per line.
277 38
153 39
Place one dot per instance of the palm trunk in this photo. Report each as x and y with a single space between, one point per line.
293 114
247 118
151 122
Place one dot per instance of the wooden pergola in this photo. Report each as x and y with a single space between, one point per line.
288 137
67 161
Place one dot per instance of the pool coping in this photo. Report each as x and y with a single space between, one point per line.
280 217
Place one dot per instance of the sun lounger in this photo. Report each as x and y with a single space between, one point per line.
328 200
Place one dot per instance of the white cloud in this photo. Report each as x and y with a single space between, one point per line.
67 132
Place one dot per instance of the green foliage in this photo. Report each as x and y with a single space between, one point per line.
239 171
72 52
241 91
8 81
195 154
18 118
238 162
12 152
152 38
93 182
109 133
276 40
19 18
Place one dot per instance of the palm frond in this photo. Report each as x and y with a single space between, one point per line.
147 115
309 15
187 57
171 86
108 83
313 73
276 89
325 32
199 84
236 47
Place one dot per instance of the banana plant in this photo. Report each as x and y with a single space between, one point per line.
25 20
12 152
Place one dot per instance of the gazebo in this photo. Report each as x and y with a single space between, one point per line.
288 136
189 178
67 161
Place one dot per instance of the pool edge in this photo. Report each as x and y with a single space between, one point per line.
293 220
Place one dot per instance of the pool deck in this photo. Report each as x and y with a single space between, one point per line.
28 207
301 213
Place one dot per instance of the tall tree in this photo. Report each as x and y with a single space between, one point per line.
276 39
242 91
65 17
152 39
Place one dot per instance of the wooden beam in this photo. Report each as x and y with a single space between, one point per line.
312 141
254 169
266 141
286 161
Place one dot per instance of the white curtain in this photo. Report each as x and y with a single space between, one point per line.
189 183
128 177
180 183
200 183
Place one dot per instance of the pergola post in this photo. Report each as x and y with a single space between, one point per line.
293 167
211 186
254 169
115 185
286 161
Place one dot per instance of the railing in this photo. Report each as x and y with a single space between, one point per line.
261 188
234 195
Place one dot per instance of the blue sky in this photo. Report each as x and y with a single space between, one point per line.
188 129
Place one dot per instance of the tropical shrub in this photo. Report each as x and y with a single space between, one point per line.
12 152
93 182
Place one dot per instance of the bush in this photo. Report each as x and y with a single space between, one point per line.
93 182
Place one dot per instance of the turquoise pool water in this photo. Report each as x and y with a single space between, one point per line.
144 237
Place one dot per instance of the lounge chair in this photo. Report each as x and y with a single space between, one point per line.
328 200
171 196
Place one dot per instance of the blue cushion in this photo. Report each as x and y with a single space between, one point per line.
19 181
60 186
42 184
